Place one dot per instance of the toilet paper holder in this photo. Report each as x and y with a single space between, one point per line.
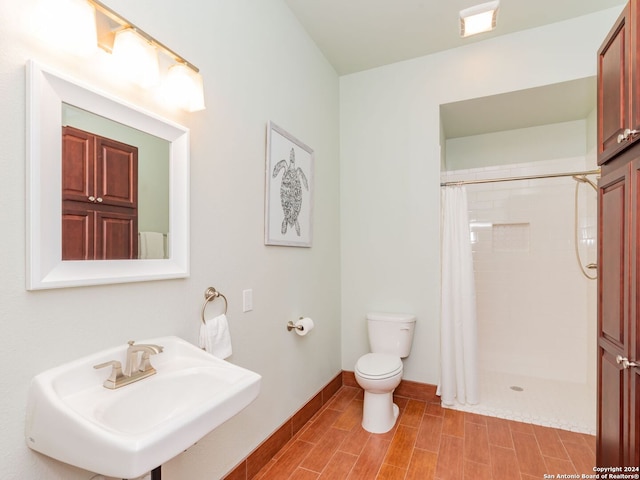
291 325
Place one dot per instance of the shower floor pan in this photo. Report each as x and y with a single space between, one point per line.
551 403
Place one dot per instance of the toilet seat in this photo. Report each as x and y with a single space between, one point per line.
378 366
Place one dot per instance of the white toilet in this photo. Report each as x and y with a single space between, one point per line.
380 372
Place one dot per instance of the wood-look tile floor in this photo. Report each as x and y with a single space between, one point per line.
427 442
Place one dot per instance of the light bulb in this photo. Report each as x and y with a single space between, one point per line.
183 87
68 25
137 58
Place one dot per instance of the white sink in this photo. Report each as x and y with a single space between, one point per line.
131 430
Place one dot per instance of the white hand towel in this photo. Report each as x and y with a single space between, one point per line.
215 337
151 245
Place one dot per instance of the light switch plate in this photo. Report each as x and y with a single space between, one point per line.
247 300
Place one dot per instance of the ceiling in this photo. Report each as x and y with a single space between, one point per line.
536 106
356 35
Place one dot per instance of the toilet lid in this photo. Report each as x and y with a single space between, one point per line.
378 365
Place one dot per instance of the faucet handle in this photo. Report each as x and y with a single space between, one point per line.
116 373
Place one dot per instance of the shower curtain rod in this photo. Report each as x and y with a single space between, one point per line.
528 177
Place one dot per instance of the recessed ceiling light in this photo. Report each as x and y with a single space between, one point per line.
479 18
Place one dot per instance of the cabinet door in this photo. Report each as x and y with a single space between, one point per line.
78 161
618 436
634 64
618 83
77 231
613 264
116 173
116 235
632 350
613 87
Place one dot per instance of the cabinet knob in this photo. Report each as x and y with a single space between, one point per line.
99 199
627 134
92 199
624 361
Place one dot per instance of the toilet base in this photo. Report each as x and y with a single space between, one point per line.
379 413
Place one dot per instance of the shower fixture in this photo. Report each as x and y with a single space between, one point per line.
590 266
584 179
576 175
579 177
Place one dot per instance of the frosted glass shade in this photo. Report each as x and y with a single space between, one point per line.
68 25
137 58
183 88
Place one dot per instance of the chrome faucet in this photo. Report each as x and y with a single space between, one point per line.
138 365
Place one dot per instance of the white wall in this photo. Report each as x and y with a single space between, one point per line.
258 65
390 168
522 145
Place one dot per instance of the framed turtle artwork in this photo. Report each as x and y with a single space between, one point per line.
288 190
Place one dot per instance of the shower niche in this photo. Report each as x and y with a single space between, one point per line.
511 237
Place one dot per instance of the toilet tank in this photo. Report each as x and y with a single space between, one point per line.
391 333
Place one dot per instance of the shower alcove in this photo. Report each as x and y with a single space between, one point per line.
536 310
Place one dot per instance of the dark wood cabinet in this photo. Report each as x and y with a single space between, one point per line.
618 84
618 422
619 283
99 197
97 234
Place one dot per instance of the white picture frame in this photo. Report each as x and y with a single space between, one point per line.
288 190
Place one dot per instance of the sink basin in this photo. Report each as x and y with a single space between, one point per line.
131 430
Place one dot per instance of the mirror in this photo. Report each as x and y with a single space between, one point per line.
47 93
151 171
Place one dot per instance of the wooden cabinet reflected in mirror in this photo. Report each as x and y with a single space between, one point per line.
99 197
115 190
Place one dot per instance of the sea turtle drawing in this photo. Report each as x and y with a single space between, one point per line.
290 191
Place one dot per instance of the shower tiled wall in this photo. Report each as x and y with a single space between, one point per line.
534 312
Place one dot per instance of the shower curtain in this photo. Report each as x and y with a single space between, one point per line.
458 330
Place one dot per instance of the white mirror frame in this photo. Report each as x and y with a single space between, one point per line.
46 92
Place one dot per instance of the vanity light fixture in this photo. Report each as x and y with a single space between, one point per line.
113 30
479 18
136 57
135 51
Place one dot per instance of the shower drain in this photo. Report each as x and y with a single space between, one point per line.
515 388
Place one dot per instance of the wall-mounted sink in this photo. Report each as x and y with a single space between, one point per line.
129 431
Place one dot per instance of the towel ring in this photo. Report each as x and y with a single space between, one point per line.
211 294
